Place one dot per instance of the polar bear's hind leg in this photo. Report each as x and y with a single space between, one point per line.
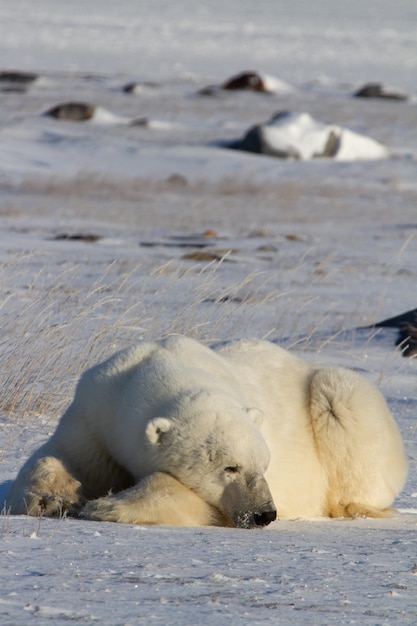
358 444
355 510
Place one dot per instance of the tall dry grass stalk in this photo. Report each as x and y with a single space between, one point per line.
55 324
58 318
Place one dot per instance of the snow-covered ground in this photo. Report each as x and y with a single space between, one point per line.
113 232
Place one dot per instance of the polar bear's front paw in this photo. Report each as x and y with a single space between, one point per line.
52 505
45 488
101 510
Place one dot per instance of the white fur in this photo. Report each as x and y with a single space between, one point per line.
183 434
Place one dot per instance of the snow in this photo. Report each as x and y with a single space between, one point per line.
306 573
275 85
309 251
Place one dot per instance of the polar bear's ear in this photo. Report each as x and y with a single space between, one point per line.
256 415
157 428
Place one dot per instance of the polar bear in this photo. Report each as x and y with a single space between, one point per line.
174 432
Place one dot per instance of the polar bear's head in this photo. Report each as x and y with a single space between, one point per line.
215 448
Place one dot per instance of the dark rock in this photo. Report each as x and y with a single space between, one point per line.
376 90
16 82
256 141
87 238
22 78
406 323
252 141
397 321
222 299
144 122
331 148
72 111
247 81
138 86
177 180
211 90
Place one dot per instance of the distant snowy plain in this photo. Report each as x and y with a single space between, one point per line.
112 233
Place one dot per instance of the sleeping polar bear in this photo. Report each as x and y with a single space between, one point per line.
174 432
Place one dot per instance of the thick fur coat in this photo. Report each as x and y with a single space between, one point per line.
174 432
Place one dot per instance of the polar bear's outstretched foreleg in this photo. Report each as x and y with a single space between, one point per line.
358 443
157 499
45 487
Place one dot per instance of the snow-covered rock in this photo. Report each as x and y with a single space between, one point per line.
255 81
300 136
84 111
250 81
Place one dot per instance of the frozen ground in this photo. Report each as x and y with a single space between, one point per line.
104 241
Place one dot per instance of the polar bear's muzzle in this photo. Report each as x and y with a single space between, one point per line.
248 503
265 518
257 519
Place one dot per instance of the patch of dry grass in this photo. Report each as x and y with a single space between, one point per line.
55 324
91 185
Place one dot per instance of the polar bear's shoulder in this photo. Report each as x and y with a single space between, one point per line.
180 344
168 353
121 361
253 346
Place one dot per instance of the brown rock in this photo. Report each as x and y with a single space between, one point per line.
72 111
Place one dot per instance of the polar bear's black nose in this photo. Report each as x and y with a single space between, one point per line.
265 518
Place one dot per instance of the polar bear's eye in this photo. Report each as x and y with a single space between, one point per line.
232 469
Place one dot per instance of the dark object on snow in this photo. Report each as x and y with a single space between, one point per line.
140 121
376 90
246 80
72 111
407 326
87 238
16 81
22 78
257 141
138 86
